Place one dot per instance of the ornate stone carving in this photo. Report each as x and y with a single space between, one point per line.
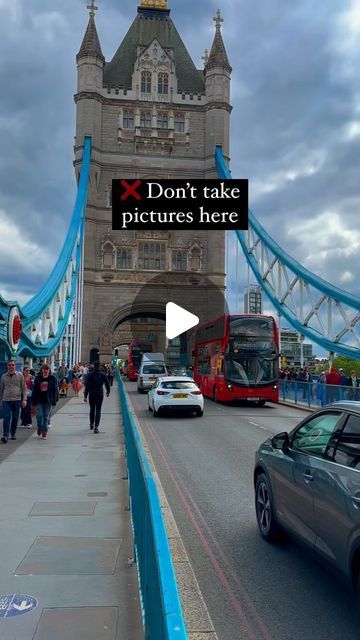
125 239
105 338
152 235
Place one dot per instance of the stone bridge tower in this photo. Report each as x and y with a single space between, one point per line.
151 114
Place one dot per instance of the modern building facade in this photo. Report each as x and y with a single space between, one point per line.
151 114
291 350
253 299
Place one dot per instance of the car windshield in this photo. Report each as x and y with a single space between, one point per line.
153 368
179 385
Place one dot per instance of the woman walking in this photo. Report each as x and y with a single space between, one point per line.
26 419
76 380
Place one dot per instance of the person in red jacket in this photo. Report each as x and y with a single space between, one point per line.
332 385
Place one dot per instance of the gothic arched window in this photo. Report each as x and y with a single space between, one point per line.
123 259
146 82
128 119
145 119
152 255
162 120
195 260
108 252
179 123
179 261
163 83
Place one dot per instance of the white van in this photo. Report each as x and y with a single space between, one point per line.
152 367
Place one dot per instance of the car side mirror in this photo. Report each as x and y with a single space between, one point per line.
281 440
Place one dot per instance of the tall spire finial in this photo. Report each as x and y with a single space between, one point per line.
218 20
92 8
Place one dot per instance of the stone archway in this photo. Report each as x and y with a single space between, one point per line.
125 314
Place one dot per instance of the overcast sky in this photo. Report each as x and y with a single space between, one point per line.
295 124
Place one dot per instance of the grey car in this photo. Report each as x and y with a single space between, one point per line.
307 483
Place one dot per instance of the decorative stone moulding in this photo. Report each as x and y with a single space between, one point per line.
108 276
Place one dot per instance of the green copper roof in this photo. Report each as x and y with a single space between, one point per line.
142 32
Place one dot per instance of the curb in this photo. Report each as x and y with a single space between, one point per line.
297 406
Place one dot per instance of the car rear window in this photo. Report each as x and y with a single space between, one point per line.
154 368
179 385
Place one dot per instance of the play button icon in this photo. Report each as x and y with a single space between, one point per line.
178 320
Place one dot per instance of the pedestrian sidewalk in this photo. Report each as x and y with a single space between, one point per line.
66 534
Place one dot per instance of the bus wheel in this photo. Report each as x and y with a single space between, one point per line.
215 395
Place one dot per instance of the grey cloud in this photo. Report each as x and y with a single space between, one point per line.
291 95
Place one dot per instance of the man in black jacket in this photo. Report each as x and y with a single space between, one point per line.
95 381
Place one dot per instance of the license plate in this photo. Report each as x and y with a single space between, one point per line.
180 395
257 399
152 380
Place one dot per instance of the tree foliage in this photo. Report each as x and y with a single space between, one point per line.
342 362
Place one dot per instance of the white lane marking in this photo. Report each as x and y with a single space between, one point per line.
259 425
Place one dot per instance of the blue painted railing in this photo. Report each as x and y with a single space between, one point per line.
315 394
162 613
43 298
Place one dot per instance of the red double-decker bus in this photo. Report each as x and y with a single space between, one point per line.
236 358
136 350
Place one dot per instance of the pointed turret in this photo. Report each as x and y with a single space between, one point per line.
217 82
90 65
90 45
218 56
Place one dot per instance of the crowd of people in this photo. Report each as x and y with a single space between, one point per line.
30 393
330 385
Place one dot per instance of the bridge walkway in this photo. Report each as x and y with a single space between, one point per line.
65 534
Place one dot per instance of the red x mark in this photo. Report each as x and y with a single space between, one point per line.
130 190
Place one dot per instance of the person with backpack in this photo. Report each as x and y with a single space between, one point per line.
94 388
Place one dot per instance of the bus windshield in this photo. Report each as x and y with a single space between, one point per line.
250 370
251 357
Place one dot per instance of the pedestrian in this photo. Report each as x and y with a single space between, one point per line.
110 375
85 371
343 382
321 388
76 380
12 399
44 396
354 386
94 388
62 372
332 385
26 419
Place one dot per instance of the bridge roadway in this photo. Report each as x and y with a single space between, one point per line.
253 591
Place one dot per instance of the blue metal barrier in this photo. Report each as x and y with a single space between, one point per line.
162 613
315 394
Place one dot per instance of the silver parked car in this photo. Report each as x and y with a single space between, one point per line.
308 484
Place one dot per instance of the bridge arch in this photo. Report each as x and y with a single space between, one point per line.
124 314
